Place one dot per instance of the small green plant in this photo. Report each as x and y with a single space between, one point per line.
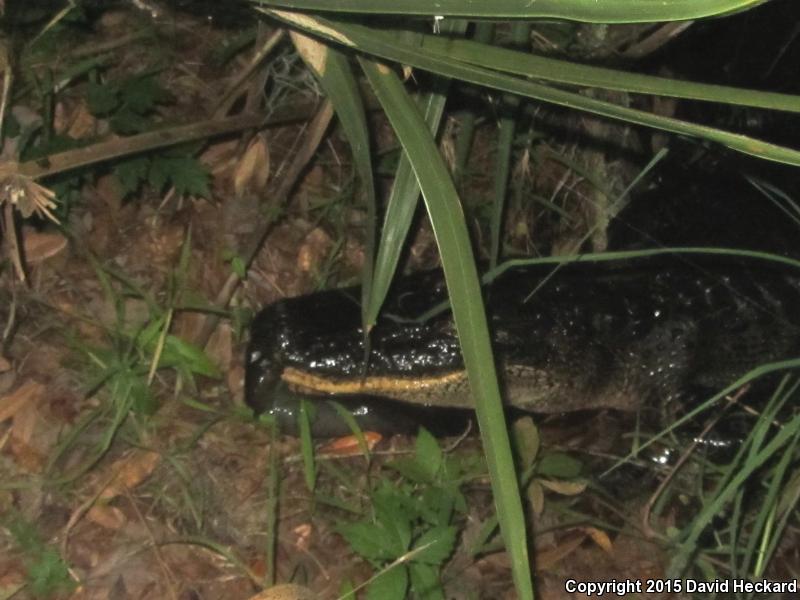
544 470
128 106
125 367
412 529
756 494
176 167
46 572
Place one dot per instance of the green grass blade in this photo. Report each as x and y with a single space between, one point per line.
307 447
400 209
752 375
347 417
786 509
785 436
383 45
553 70
628 254
762 529
505 146
461 275
484 33
620 255
334 73
402 202
592 11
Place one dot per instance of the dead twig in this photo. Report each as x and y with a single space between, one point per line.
648 530
316 132
223 104
657 39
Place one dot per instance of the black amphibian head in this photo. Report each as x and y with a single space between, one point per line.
264 358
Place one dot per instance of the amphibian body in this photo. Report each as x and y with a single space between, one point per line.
603 335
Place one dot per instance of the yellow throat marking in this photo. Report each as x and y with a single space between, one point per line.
371 385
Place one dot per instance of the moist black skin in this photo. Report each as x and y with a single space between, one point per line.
607 335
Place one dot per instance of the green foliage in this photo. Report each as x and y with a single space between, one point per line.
127 104
757 489
184 173
237 262
176 167
411 533
137 347
544 470
47 573
132 173
558 464
176 353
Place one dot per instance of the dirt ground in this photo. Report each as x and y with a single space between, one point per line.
120 481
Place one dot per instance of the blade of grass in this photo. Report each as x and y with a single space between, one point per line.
484 32
505 145
348 418
760 371
273 481
461 276
762 529
386 46
307 447
402 203
787 435
778 197
791 493
553 70
607 11
334 73
621 255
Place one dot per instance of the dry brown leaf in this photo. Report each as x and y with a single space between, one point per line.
25 421
551 557
220 347
108 517
348 445
565 488
314 53
220 157
600 538
536 497
108 191
235 379
303 533
252 172
82 123
12 575
5 365
10 404
26 456
314 249
286 591
131 470
40 246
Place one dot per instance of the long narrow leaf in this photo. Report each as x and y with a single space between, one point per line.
505 146
593 11
402 202
381 44
400 209
336 76
565 72
461 276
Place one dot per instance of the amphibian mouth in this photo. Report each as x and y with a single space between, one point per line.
608 335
